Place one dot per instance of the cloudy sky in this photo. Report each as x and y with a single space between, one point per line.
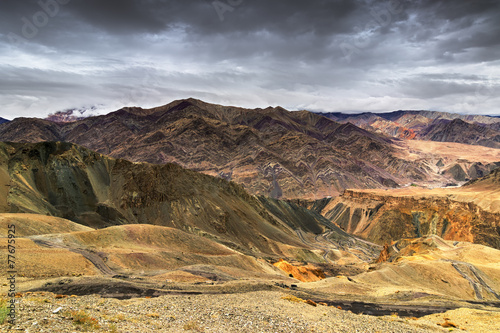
322 55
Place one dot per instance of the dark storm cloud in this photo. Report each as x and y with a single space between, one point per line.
322 22
326 54
200 16
456 10
456 26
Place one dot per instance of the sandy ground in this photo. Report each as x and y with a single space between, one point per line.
452 151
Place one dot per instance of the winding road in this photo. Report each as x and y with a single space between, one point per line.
93 257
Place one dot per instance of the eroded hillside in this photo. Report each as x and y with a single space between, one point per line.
55 179
469 213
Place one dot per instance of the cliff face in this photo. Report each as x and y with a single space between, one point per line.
385 218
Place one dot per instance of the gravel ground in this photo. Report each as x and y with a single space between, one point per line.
249 312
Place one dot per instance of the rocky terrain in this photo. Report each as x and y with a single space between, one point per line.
428 125
425 285
271 152
260 311
427 269
469 213
451 163
108 244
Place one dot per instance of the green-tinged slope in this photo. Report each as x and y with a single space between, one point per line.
69 181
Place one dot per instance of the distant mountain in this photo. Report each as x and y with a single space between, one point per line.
270 151
428 125
396 115
2 120
460 131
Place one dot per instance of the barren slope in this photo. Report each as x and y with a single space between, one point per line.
423 270
138 249
36 224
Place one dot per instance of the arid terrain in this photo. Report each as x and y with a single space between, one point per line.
255 311
222 166
381 234
271 152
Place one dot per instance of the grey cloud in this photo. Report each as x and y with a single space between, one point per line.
281 52
429 86
284 17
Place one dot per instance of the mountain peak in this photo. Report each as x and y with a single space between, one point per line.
71 115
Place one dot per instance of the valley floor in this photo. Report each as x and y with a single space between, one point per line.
260 311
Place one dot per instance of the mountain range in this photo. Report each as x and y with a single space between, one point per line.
271 151
88 223
428 125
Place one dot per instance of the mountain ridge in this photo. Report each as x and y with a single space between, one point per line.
270 151
392 115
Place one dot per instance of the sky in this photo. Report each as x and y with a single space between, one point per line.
323 55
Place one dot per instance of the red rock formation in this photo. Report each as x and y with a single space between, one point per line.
384 254
307 273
